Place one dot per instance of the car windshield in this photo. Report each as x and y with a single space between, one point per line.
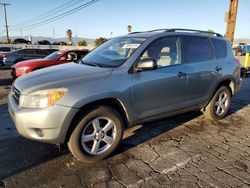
112 53
54 55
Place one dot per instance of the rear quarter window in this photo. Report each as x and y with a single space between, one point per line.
196 49
220 47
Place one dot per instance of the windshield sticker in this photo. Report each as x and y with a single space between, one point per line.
131 46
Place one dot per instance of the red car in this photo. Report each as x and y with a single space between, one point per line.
55 58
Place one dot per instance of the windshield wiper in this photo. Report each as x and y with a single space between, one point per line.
90 63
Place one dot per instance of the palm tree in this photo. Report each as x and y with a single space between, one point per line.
69 37
129 28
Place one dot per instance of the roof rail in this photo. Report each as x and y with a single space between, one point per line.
136 32
193 30
179 29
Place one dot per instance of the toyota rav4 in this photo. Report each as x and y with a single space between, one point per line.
127 80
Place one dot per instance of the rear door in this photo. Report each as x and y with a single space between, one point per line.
203 69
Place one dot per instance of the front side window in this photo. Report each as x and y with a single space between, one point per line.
163 51
113 53
196 49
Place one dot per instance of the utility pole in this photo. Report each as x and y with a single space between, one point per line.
54 35
231 20
6 23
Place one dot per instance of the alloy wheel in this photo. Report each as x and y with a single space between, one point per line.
98 136
221 104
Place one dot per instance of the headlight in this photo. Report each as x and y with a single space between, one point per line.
43 98
23 68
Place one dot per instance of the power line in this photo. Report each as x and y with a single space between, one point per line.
44 22
49 13
6 22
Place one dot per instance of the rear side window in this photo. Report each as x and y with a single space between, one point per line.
196 49
27 51
220 47
39 52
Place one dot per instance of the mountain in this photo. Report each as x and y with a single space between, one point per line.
38 38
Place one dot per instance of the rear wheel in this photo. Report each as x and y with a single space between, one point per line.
219 105
97 134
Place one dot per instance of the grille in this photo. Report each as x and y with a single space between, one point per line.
16 95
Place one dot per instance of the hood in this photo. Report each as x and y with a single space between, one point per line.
31 62
59 76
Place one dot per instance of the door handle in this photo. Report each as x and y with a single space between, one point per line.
217 68
181 74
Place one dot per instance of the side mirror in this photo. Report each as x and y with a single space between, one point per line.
146 64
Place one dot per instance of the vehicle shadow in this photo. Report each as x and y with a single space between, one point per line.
241 99
5 67
18 154
6 82
148 131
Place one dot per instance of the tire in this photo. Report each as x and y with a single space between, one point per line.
96 135
221 100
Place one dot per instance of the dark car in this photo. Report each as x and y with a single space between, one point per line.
44 42
59 43
25 54
21 41
241 49
5 50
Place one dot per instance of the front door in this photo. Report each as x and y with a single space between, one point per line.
163 90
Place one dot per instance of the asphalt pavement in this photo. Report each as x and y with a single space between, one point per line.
181 151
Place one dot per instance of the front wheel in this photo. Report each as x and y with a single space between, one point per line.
219 105
97 134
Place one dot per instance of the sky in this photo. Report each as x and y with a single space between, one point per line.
106 16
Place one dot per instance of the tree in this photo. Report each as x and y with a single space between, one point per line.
210 31
100 41
129 28
82 43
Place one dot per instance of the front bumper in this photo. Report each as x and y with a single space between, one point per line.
48 125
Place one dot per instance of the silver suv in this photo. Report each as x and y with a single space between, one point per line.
127 80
